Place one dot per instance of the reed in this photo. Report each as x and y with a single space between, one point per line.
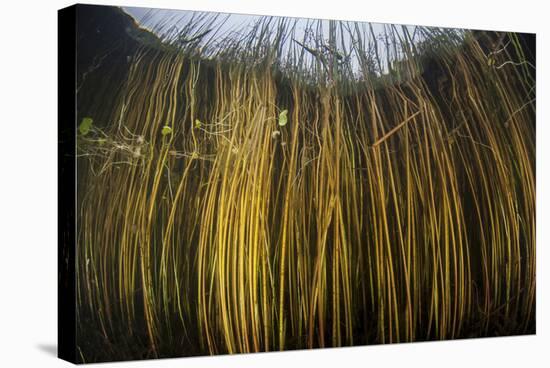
385 208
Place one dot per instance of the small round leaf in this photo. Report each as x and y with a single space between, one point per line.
283 119
85 125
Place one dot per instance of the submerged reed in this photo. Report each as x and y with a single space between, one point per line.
386 207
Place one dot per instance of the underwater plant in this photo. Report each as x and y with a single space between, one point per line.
282 189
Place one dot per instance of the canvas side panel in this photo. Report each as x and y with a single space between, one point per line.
66 296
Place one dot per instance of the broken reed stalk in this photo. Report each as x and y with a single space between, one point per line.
397 127
234 234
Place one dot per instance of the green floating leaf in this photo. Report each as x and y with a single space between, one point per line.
85 125
197 123
166 130
283 119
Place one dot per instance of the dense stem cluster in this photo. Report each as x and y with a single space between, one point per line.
385 209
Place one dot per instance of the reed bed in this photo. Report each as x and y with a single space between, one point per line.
255 195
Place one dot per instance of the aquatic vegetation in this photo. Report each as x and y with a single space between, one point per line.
243 198
283 118
85 125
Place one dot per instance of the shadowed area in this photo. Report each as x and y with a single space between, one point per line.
50 349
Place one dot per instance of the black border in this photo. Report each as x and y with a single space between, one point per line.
66 191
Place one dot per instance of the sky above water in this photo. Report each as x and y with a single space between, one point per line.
168 22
